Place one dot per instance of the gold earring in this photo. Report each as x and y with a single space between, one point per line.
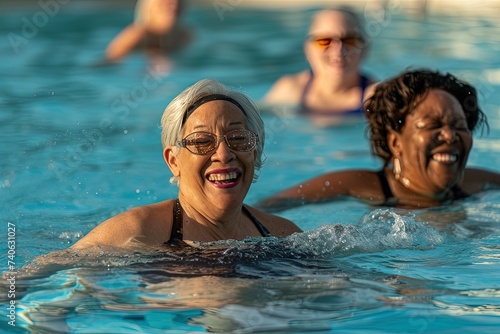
396 169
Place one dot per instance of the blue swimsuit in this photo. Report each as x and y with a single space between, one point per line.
303 109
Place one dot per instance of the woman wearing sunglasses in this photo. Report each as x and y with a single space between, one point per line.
334 86
420 125
213 139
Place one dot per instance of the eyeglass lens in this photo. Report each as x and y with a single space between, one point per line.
204 142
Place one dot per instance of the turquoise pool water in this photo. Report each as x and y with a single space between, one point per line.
80 142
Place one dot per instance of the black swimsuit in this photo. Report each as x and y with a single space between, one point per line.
390 200
177 234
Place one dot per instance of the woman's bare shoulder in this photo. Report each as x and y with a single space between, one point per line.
478 179
147 224
144 216
370 90
288 89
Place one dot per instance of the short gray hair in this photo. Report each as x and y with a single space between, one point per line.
172 119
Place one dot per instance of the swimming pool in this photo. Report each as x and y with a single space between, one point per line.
81 142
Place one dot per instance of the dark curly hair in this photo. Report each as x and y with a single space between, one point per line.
396 98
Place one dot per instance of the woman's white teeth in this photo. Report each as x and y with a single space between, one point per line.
445 157
223 177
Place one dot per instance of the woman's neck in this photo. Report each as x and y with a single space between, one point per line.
207 223
408 194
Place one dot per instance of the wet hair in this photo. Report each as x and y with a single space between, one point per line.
172 121
396 98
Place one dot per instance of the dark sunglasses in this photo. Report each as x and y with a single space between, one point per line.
202 143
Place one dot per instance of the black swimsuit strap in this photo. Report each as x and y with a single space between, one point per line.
364 85
262 229
389 199
177 225
458 193
386 188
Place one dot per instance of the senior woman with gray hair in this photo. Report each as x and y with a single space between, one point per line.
213 139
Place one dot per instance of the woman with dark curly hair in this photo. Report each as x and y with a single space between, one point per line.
420 125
